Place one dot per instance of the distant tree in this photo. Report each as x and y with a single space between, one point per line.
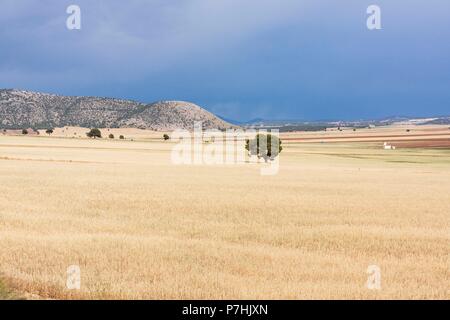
24 131
166 136
94 133
49 131
354 129
121 137
408 130
262 146
111 136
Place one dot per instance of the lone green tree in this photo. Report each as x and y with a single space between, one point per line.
24 131
49 131
264 146
166 136
94 133
111 136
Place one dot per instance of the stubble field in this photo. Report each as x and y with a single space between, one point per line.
140 227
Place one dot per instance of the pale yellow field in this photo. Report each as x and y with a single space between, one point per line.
140 227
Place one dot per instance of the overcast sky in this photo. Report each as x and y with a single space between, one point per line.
242 59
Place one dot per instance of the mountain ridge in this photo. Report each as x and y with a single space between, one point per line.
29 109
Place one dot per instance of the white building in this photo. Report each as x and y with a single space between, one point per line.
388 146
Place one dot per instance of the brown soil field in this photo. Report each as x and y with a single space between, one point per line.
427 143
430 136
358 136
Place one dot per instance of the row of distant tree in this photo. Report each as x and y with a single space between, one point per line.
262 145
93 133
96 133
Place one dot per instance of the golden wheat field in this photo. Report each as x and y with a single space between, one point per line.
140 227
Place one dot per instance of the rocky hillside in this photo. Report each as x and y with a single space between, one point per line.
25 109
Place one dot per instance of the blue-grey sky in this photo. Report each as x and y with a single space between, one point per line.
242 59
